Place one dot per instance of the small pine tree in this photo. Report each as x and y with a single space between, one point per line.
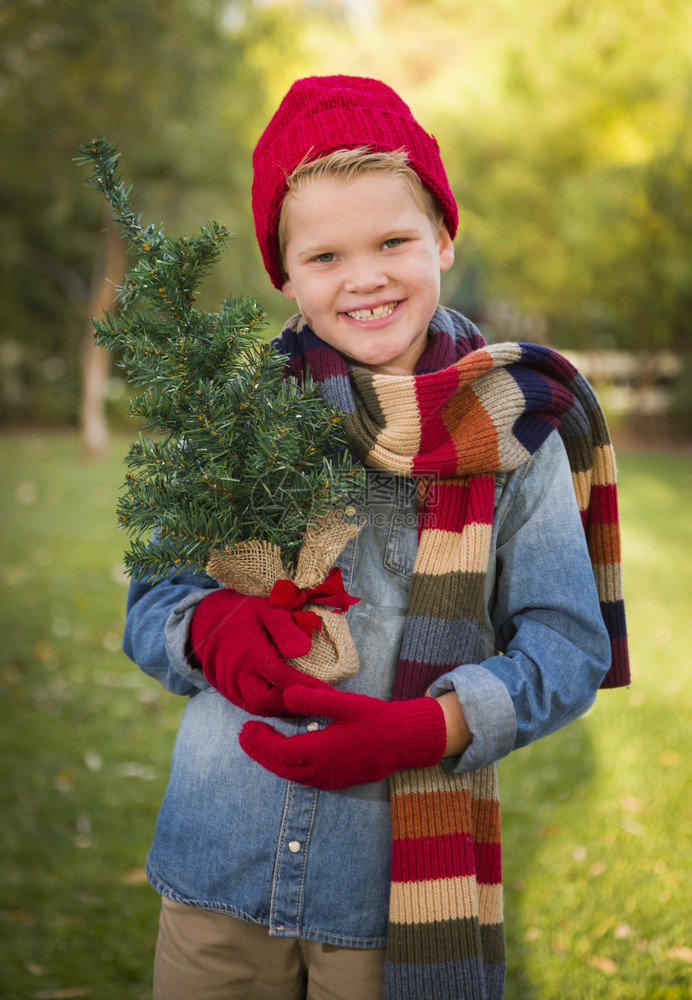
238 450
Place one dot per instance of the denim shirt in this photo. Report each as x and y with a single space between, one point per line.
233 837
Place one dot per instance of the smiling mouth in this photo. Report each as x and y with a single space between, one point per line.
366 315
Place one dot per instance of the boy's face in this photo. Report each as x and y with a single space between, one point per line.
364 263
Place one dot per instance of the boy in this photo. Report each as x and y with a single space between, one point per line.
286 862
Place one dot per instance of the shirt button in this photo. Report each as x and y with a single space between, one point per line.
294 846
350 511
312 726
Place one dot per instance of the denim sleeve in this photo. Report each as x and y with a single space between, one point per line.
157 625
552 646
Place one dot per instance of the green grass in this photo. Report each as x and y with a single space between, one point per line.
85 737
597 819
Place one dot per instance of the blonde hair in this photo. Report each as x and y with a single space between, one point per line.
345 164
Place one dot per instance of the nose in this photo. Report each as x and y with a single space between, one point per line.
365 275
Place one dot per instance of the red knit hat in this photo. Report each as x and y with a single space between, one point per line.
321 114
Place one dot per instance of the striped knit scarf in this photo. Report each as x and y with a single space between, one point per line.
469 411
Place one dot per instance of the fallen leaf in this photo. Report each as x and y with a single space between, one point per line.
136 877
603 964
15 576
26 493
631 804
632 826
44 650
118 575
93 760
133 769
622 931
597 869
64 780
684 954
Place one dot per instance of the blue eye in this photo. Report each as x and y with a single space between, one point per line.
394 242
324 258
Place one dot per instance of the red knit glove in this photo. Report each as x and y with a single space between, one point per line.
368 740
241 643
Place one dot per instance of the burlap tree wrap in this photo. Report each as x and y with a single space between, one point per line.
254 567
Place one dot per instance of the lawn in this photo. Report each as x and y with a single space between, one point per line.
597 819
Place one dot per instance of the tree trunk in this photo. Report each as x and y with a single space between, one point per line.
109 269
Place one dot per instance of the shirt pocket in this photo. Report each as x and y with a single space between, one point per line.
500 483
377 564
401 546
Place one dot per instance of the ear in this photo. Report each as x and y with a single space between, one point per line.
445 247
287 289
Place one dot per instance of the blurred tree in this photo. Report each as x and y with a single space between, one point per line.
564 130
109 268
166 81
585 141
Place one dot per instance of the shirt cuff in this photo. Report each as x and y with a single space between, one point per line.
489 714
177 634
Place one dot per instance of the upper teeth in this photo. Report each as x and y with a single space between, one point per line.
378 313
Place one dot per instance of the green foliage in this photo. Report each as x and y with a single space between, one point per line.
567 146
240 451
565 136
173 88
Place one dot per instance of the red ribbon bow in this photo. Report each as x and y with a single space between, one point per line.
285 594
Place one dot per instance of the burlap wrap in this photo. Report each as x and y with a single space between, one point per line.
254 567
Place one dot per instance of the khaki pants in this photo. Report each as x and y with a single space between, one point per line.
202 955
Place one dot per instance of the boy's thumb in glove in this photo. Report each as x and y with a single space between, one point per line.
291 640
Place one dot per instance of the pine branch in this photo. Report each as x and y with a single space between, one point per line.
237 450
